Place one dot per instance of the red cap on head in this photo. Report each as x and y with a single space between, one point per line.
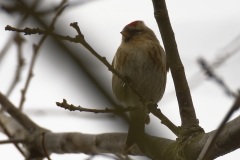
134 23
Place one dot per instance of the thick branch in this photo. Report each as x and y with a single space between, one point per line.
155 147
185 103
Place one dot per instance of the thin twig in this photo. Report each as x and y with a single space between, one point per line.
164 120
35 53
15 141
43 146
211 74
19 24
18 40
71 107
206 151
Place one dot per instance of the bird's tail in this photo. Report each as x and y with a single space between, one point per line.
136 128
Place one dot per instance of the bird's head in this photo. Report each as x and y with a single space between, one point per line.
136 30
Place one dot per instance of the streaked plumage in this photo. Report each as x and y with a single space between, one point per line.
141 58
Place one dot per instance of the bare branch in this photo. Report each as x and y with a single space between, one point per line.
156 147
164 120
10 136
24 125
19 24
27 123
15 141
71 107
207 150
211 74
185 103
43 146
18 40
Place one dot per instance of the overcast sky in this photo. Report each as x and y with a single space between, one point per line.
208 29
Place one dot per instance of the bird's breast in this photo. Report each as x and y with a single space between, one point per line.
143 65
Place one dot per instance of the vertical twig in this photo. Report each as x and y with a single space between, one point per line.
43 146
18 40
35 53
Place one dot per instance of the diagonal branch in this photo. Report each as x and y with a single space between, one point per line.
164 120
21 118
185 103
212 75
5 130
207 150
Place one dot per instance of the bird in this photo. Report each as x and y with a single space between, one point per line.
142 61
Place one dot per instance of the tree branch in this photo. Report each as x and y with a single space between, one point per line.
211 74
28 124
164 120
154 110
71 107
15 141
19 24
5 131
207 150
18 40
185 103
155 147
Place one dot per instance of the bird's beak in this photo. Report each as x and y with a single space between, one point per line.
125 34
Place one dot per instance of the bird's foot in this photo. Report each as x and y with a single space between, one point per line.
149 104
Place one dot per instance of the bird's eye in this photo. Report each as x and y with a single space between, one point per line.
137 30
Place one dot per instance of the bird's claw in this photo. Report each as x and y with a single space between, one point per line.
149 104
